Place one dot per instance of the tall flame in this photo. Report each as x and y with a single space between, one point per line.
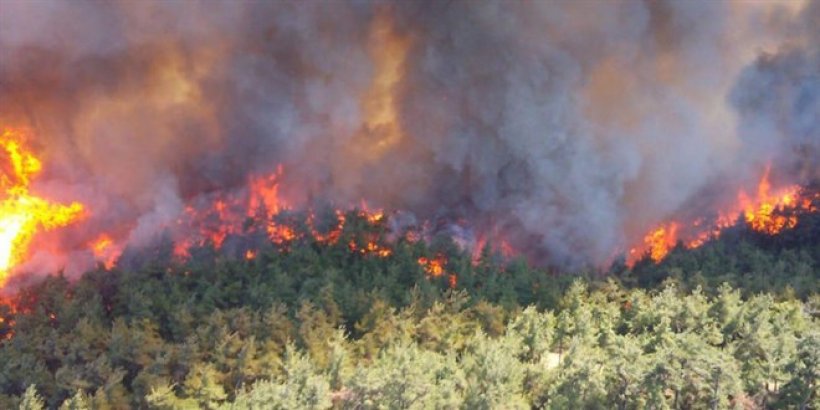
388 49
760 214
106 251
661 240
22 214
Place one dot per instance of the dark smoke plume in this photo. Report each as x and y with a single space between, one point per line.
569 127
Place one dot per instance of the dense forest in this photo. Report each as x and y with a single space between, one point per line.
315 324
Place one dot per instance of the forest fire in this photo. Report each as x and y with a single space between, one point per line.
189 148
106 251
478 201
7 322
502 248
436 267
23 214
250 254
370 248
258 209
433 266
767 212
661 240
761 213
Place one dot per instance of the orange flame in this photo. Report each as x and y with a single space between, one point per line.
331 236
371 248
281 234
7 322
767 212
22 214
388 49
661 240
760 214
226 215
435 267
265 194
497 247
105 251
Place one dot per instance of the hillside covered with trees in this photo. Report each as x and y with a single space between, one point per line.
732 324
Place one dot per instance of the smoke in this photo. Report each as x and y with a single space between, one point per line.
778 98
570 128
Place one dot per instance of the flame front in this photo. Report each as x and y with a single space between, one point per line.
766 212
761 215
22 214
661 240
213 218
218 218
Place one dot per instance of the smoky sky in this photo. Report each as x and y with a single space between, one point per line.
568 127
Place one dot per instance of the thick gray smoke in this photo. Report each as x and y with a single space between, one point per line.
568 127
778 98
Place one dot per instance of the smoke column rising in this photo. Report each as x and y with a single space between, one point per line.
569 127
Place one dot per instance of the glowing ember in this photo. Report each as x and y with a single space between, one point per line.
373 216
371 248
7 311
250 254
331 236
281 234
22 214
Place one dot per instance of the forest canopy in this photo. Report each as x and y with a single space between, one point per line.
732 324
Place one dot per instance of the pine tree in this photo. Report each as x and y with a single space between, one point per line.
31 400
406 377
535 330
494 376
301 387
79 401
802 391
